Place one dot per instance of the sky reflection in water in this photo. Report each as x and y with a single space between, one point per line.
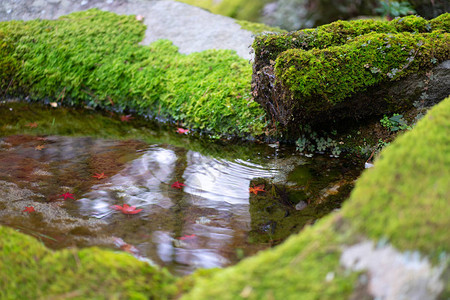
212 209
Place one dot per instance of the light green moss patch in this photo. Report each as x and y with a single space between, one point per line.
238 9
30 271
405 197
258 28
93 58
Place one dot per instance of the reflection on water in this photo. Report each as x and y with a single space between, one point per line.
202 223
210 222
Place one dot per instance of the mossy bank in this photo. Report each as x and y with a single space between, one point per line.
93 58
318 75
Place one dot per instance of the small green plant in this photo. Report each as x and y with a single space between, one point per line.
381 144
394 123
392 9
311 142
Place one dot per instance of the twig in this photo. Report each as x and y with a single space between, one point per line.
12 79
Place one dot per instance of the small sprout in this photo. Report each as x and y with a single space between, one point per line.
424 96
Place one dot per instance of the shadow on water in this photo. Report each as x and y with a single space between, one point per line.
212 221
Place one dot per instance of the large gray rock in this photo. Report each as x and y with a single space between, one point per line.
190 28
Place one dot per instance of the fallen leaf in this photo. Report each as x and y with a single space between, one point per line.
100 175
126 209
256 189
28 209
178 185
182 130
126 118
32 125
67 195
125 247
39 148
187 237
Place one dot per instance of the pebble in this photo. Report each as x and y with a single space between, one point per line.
301 205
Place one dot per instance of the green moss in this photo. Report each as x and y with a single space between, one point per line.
405 197
268 47
238 9
337 72
30 271
93 58
8 64
442 22
297 269
258 28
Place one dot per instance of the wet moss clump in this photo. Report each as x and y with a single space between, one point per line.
92 58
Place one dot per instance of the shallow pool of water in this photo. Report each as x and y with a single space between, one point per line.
211 221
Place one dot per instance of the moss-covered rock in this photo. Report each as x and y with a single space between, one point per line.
258 28
304 75
93 58
268 47
402 200
28 270
238 9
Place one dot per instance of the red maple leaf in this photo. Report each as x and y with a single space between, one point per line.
126 209
32 125
178 185
187 237
125 247
28 209
66 195
100 175
182 130
256 189
126 118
